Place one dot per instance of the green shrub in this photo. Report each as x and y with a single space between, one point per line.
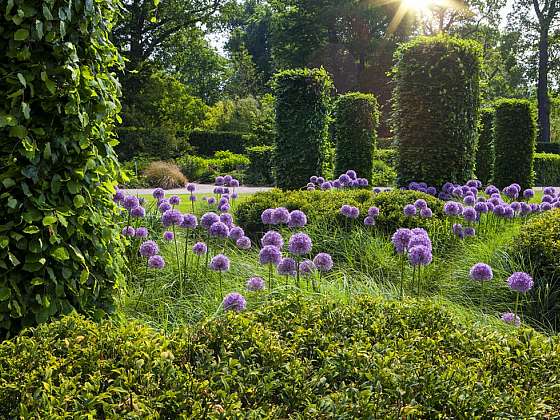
435 102
206 143
485 149
539 245
386 143
514 142
58 246
296 357
356 117
547 169
259 171
383 175
164 175
157 142
302 107
548 148
388 156
201 169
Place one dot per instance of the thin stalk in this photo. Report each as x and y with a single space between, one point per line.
177 258
143 285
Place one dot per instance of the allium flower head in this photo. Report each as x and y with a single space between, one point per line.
451 208
219 263
219 230
208 219
326 185
297 219
469 200
191 188
227 179
350 211
469 231
323 262
266 216
363 182
234 183
219 181
189 221
511 318
520 282
119 196
174 200
234 302
218 190
226 219
158 193
400 240
313 179
199 248
549 191
458 230
491 189
270 255
373 212
236 232
243 243
234 195
419 255
272 238
431 191
344 179
352 174
300 244
138 212
156 261
336 184
255 284
280 216
192 198
528 194
481 272
470 214
130 202
164 206
211 201
128 231
287 267
149 249
168 236
420 204
369 221
481 207
141 232
409 210
172 217
320 180
420 240
426 213
307 267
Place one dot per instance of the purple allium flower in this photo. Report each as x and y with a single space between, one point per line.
344 179
377 190
234 183
310 187
350 211
362 182
450 208
234 302
431 191
211 201
200 248
243 243
511 192
208 219
164 206
174 200
420 232
297 219
192 198
491 189
141 232
420 204
336 184
224 208
130 202
226 219
219 230
373 212
219 181
420 240
191 187
223 200
219 263
326 186
320 180
528 194
313 179
128 231
549 191
469 200
255 284
227 179
458 230
511 318
272 238
156 261
400 240
447 187
515 206
547 199
119 196
234 195
236 232
266 216
426 213
270 255
158 194
419 255
218 190
280 216
287 267
352 174
481 207
307 267
172 218
481 272
457 191
138 212
189 221
525 208
149 249
470 214
520 282
409 210
472 183
300 244
168 236
508 212
323 262
469 232
369 221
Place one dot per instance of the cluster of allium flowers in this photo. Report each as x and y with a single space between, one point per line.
149 249
128 231
297 219
156 261
511 318
168 236
234 302
236 232
255 284
300 244
348 179
272 238
520 282
199 248
243 243
189 221
138 212
130 202
512 191
400 240
481 272
219 263
287 267
172 218
372 213
119 196
323 262
307 267
350 211
208 219
419 255
422 187
219 230
270 255
141 232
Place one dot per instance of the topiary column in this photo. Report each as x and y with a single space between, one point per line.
435 109
59 250
485 148
514 137
302 107
356 118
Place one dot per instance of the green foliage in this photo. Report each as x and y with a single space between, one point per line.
259 171
356 117
435 109
156 142
385 143
58 246
514 142
197 168
388 156
206 143
302 107
311 357
548 148
547 169
383 175
485 150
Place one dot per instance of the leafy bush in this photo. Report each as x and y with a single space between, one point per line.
383 175
514 142
164 175
547 169
201 169
307 357
260 168
156 142
436 100
388 156
58 246
548 148
485 151
539 245
356 117
386 143
301 123
207 143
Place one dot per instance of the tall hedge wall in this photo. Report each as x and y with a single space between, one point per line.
58 248
356 117
156 142
435 109
485 149
514 138
548 148
302 107
260 170
547 169
207 143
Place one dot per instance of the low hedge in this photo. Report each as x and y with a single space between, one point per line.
388 156
548 148
547 169
197 168
207 143
297 357
260 170
156 142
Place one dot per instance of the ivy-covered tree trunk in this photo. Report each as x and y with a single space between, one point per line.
59 250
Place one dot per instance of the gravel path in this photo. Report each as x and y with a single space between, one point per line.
200 189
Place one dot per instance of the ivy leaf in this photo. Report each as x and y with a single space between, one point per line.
21 35
26 110
22 80
60 254
5 293
31 229
39 29
49 220
79 201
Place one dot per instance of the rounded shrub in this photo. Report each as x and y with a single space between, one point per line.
514 142
302 107
59 249
485 149
435 109
164 175
547 169
356 117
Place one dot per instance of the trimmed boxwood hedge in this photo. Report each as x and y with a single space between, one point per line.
155 142
514 142
298 357
435 109
485 148
356 117
260 170
207 143
547 169
302 108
